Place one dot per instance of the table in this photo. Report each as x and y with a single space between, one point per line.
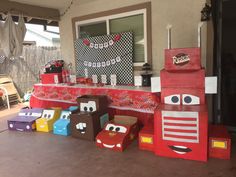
128 100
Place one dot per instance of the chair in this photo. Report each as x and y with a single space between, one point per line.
3 92
7 83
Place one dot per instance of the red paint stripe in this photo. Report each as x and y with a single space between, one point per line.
179 118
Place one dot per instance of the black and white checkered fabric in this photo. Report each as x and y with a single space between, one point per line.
118 58
2 58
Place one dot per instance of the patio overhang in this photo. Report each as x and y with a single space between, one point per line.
33 14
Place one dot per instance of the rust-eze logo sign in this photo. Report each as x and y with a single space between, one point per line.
181 59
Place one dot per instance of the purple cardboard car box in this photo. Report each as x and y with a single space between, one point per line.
25 120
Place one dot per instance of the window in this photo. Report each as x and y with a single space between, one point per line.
134 18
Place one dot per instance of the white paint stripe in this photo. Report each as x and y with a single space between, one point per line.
180 152
22 114
108 146
180 133
178 114
36 114
180 140
180 121
183 147
180 127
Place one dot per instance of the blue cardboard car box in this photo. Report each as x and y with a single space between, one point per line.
62 125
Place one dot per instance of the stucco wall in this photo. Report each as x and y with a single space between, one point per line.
184 15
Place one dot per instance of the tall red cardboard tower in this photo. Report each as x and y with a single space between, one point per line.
181 121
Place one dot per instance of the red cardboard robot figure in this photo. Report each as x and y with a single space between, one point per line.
181 121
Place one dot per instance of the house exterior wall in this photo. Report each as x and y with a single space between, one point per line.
183 15
40 41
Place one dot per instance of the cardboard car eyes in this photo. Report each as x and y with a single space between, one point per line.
34 114
65 115
88 107
187 99
116 128
172 99
48 114
25 114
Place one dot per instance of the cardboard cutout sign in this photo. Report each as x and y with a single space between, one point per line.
182 59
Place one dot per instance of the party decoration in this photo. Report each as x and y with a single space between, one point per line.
92 116
25 120
118 133
106 55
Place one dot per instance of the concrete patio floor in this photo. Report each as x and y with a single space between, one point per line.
25 154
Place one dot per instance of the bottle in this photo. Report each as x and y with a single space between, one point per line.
64 76
67 76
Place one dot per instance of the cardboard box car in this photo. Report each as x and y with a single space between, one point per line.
49 116
62 125
91 103
86 125
118 133
25 120
219 142
146 137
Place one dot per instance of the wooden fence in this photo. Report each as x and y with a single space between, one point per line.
25 70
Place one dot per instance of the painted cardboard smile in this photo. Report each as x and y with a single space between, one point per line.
111 140
180 149
111 146
81 127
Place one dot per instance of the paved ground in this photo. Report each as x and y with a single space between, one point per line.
46 155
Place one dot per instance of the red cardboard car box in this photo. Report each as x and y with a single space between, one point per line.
182 59
219 142
50 78
146 138
118 133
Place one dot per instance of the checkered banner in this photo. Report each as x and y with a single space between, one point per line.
106 55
